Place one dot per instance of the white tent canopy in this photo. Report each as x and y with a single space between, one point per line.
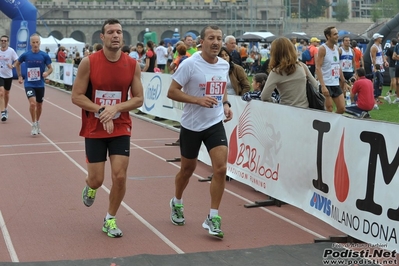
50 43
263 34
71 43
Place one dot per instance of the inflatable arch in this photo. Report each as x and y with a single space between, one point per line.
23 23
389 31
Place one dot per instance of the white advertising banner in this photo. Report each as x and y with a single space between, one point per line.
156 102
339 169
62 73
342 170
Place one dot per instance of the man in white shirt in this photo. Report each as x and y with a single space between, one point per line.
200 83
162 56
7 59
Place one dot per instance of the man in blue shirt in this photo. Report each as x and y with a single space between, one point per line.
36 62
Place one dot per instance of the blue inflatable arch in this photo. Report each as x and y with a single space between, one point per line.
22 14
23 23
389 31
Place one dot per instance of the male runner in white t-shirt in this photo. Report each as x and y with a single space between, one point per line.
7 59
203 79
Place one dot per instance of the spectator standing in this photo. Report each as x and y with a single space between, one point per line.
231 45
170 56
359 62
142 55
396 57
378 82
162 56
77 59
61 54
237 83
188 41
329 72
287 74
313 50
244 52
133 53
389 57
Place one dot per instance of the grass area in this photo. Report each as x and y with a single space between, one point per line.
387 112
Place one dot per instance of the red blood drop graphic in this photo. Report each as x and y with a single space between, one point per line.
341 175
233 147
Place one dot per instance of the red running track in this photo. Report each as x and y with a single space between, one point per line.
42 216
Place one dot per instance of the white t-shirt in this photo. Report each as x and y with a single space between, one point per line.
7 57
199 78
331 66
162 55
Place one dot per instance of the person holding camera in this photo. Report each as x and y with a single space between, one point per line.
61 55
362 95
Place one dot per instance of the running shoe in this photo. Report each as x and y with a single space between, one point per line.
213 226
111 228
3 116
176 214
396 100
388 99
38 128
34 129
88 196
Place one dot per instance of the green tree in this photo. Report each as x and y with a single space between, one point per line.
312 8
342 10
387 8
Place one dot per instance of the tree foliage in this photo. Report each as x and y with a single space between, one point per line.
342 10
313 8
385 9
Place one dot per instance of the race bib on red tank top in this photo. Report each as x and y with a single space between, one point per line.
108 98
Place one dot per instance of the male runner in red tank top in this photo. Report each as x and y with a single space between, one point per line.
102 93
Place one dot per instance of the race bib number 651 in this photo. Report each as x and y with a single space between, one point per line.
215 87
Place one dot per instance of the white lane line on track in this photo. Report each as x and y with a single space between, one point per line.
226 190
140 218
134 213
245 199
7 240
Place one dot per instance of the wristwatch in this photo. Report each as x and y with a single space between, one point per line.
227 102
101 110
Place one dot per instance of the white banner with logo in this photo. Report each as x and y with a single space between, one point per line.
63 73
339 169
342 170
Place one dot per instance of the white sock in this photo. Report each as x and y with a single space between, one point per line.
109 216
213 213
177 201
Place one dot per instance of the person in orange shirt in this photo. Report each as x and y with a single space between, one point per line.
181 56
314 42
244 52
358 55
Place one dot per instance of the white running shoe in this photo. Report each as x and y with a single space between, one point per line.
34 129
388 99
376 107
38 128
396 100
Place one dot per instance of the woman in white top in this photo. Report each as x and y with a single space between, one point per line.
287 74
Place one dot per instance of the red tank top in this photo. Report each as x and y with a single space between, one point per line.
109 84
